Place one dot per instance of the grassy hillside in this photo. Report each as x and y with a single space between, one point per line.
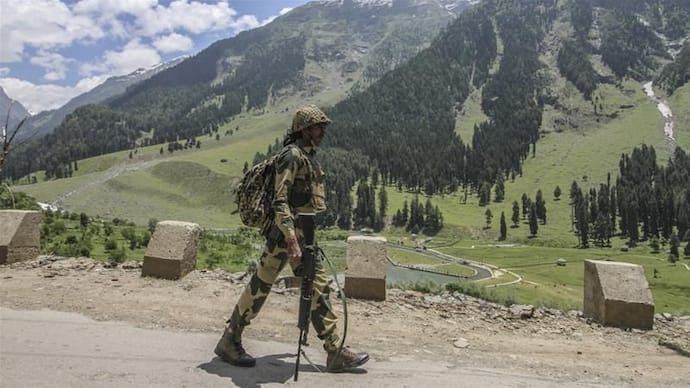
150 184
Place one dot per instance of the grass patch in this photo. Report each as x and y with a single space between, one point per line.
453 269
545 283
680 105
406 257
470 116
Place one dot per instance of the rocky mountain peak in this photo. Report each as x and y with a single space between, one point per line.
14 108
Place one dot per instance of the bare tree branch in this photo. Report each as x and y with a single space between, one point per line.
8 136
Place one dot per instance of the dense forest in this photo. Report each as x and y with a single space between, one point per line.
677 73
647 201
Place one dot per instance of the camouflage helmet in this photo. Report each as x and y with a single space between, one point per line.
307 116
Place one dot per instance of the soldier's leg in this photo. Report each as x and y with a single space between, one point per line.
272 261
325 321
323 318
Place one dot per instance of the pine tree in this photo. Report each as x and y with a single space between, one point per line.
674 244
633 229
540 207
533 223
405 214
557 193
525 205
504 228
383 201
484 194
488 216
654 244
581 218
499 192
516 214
397 218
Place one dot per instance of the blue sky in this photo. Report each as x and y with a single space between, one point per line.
53 50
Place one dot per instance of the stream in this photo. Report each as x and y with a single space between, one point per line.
666 113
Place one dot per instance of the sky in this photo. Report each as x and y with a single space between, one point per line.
54 50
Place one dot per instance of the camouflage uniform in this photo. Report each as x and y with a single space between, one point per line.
299 190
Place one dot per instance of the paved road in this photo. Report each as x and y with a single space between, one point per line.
480 272
55 349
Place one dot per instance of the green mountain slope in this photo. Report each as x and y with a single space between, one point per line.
577 139
316 52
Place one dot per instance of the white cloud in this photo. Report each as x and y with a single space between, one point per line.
51 24
194 17
37 98
110 7
282 12
41 24
133 56
55 65
36 32
151 18
245 22
173 43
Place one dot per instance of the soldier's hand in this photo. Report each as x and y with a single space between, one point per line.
293 250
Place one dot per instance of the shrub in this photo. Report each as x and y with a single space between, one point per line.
152 224
84 220
117 255
110 245
58 227
144 239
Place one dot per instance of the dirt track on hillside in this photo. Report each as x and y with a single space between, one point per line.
451 328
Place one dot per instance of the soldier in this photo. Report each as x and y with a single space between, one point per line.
299 195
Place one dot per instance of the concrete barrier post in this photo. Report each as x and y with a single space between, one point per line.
171 253
20 235
617 294
365 276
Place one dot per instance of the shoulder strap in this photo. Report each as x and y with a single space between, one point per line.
310 165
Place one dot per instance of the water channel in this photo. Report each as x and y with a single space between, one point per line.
398 273
666 113
395 274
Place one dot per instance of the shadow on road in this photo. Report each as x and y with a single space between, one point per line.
272 368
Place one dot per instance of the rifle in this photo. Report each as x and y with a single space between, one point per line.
308 269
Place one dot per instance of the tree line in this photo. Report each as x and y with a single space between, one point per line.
648 201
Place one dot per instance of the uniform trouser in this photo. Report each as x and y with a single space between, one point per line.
272 261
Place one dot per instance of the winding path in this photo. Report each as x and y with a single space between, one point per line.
102 177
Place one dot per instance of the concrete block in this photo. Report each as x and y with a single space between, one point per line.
365 276
20 235
172 251
617 294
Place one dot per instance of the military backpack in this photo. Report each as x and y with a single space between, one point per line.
255 194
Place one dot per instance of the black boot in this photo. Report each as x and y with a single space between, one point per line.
230 349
